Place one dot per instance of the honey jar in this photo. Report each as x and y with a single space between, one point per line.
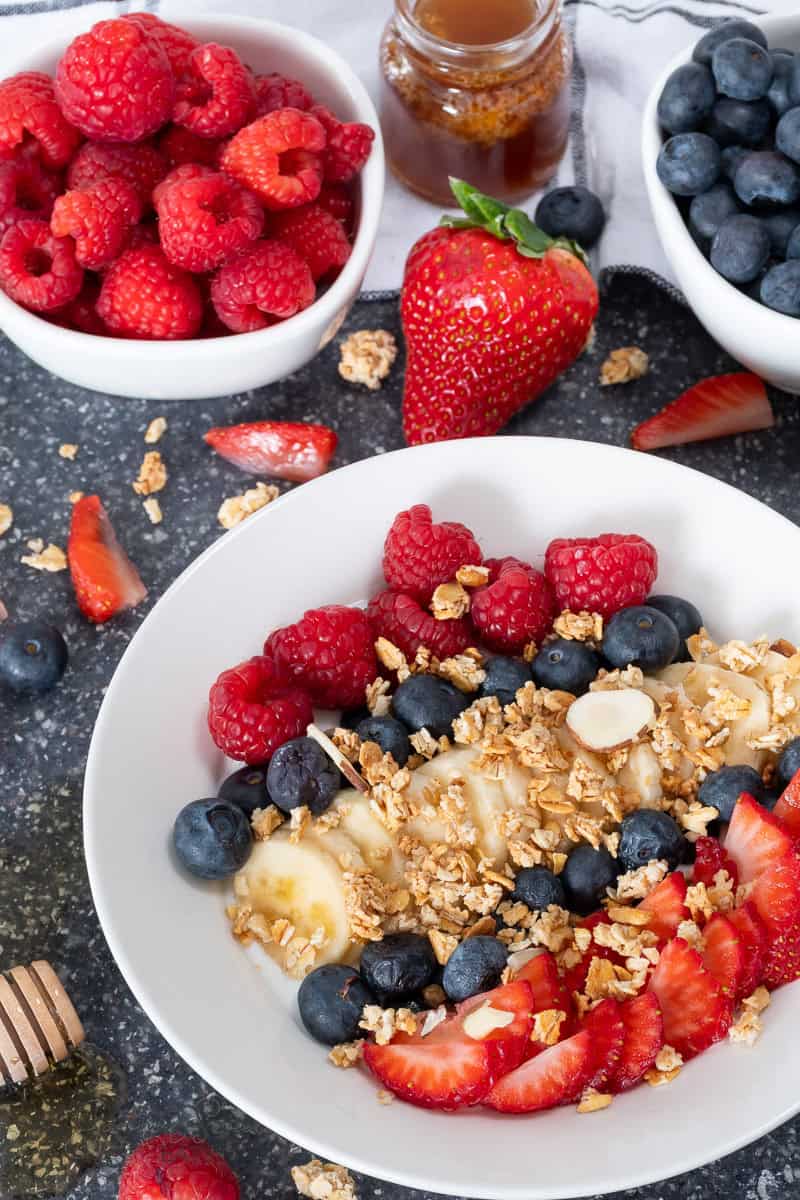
477 89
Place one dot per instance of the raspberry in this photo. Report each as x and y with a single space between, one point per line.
515 607
315 235
142 166
253 708
99 219
144 296
215 95
276 91
418 555
174 1167
330 652
181 174
81 313
348 146
401 618
29 115
275 156
26 190
142 235
335 199
268 281
176 43
204 222
601 574
37 269
182 146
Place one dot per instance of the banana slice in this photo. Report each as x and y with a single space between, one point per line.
642 774
378 847
696 678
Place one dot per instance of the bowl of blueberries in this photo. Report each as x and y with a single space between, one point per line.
721 157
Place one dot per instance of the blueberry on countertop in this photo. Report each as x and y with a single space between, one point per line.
648 834
246 788
300 773
33 656
538 887
331 1000
788 762
398 966
687 98
504 678
722 788
426 702
780 288
212 838
475 966
390 734
586 875
765 179
739 122
708 210
740 247
689 163
724 32
573 212
640 636
685 616
565 666
742 69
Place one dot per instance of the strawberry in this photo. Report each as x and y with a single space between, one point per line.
788 807
556 1076
776 899
508 1045
725 955
548 992
104 578
709 858
782 960
607 1028
446 1069
281 449
695 1011
667 904
756 839
715 407
644 1037
493 310
753 935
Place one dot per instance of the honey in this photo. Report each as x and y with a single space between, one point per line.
479 91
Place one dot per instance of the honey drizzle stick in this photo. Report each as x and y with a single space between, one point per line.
333 752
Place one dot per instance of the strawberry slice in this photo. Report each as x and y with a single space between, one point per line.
710 857
104 578
508 1044
446 1069
788 807
776 898
695 1011
644 1037
282 449
756 839
724 954
782 959
607 1028
667 904
548 992
556 1076
715 407
753 935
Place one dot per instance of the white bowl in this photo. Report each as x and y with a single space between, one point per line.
231 1014
200 368
764 341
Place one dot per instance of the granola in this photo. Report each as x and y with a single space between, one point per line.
6 518
383 1023
155 430
44 558
153 509
450 601
68 450
236 509
323 1181
579 627
367 357
152 475
624 365
347 1054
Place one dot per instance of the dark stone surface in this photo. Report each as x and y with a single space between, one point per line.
45 907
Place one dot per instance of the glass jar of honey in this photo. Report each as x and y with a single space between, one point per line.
478 89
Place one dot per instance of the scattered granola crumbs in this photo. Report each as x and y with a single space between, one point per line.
483 926
529 652
741 657
74 497
378 698
697 817
264 822
435 1016
424 744
635 885
153 510
758 1000
547 1026
68 450
365 905
347 1054
667 1065
152 475
627 915
389 655
323 1181
470 576
384 1097
624 365
450 601
464 671
155 430
385 1022
367 356
747 1028
44 558
348 742
692 934
299 821
579 627
593 1101
235 509
6 518
443 945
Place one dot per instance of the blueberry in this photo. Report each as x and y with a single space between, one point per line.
212 838
770 798
687 98
504 678
586 875
689 163
742 69
794 81
735 28
475 966
708 210
731 157
538 888
684 615
425 702
354 716
648 834
780 227
722 788
780 288
793 244
765 179
331 1000
778 93
398 966
739 122
740 248
788 762
246 788
33 656
787 134
300 772
643 636
565 666
572 212
389 733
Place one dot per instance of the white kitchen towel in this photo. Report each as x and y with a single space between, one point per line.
620 46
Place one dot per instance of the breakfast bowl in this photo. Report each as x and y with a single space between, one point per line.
764 341
216 366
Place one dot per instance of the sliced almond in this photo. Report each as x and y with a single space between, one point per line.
606 721
484 1020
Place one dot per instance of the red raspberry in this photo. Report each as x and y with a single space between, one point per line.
335 199
315 235
115 82
174 1167
182 146
177 43
515 607
81 313
144 296
418 555
181 174
99 219
276 157
143 235
348 145
602 574
215 95
269 281
142 166
254 707
29 114
26 190
207 221
276 91
401 618
38 270
330 652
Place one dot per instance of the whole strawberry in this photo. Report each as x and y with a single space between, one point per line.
493 310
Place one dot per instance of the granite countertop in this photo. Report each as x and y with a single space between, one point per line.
45 906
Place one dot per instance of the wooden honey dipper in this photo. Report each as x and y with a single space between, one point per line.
39 1026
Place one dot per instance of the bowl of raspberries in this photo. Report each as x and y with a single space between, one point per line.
721 160
185 212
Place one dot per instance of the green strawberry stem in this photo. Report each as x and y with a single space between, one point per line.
504 222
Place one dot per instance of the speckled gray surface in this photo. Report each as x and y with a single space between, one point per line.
45 906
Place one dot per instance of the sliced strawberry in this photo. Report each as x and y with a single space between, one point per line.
507 1045
715 407
750 928
776 896
710 857
667 903
695 1011
445 1070
788 807
607 1028
281 449
782 959
644 1037
756 839
724 954
549 992
104 578
575 977
556 1076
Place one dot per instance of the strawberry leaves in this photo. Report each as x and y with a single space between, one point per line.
504 222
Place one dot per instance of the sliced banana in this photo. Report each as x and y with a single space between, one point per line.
642 774
697 678
378 847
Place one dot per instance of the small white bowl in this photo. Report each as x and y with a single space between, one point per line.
764 341
200 368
